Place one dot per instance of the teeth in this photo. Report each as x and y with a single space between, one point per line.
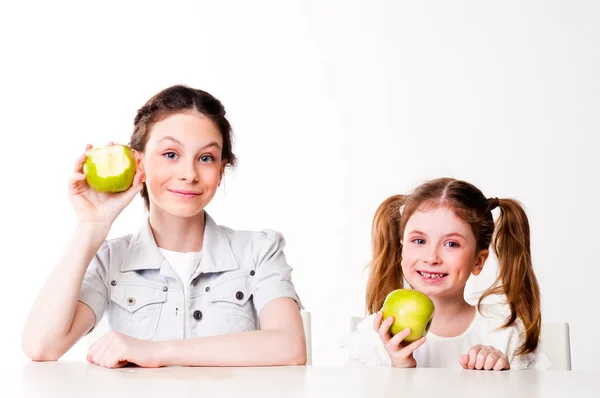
431 276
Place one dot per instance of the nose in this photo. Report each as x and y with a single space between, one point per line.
433 258
188 172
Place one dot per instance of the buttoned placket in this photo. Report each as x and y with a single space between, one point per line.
217 257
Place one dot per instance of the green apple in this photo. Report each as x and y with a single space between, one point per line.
410 309
110 169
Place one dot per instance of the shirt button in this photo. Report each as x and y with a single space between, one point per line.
165 288
113 283
130 301
197 315
252 273
239 295
207 289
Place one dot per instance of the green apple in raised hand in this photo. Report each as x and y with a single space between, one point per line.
410 309
110 169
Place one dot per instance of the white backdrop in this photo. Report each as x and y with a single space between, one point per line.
336 105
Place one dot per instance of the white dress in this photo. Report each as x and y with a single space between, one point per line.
365 346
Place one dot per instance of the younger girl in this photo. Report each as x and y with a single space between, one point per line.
432 240
182 290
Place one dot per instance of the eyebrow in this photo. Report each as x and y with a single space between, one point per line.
171 139
416 232
454 234
212 144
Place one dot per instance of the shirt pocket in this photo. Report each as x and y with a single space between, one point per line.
231 299
135 309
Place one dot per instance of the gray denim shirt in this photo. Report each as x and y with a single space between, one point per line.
238 274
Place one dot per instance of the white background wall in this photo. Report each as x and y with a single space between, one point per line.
336 105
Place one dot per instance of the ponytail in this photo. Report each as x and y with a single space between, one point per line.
516 279
386 270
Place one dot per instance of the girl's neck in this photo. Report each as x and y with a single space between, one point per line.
452 316
179 234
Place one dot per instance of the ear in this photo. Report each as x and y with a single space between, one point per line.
138 159
139 163
480 261
222 171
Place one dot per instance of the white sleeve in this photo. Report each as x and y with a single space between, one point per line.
94 290
515 336
510 339
365 346
273 274
537 360
540 361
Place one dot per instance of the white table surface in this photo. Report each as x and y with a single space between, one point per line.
79 379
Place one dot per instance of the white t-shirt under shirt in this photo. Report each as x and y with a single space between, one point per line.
365 345
184 265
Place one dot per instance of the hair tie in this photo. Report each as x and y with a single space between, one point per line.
493 203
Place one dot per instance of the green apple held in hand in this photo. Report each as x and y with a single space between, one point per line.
410 309
110 169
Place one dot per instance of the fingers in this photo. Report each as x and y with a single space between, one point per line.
399 337
105 354
491 360
384 329
95 351
78 166
135 188
75 179
377 320
110 359
414 345
137 180
140 177
108 352
501 363
463 360
410 349
484 358
481 358
101 357
120 364
473 352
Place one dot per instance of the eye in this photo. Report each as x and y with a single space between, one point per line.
170 155
418 241
206 158
452 244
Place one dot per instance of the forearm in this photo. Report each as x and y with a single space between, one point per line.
52 313
256 348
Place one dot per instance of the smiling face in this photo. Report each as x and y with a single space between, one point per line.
439 253
182 163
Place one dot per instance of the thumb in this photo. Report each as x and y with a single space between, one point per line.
136 187
463 360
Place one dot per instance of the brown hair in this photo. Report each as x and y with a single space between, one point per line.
511 242
180 99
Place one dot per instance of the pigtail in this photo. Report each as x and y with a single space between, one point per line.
516 278
386 270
